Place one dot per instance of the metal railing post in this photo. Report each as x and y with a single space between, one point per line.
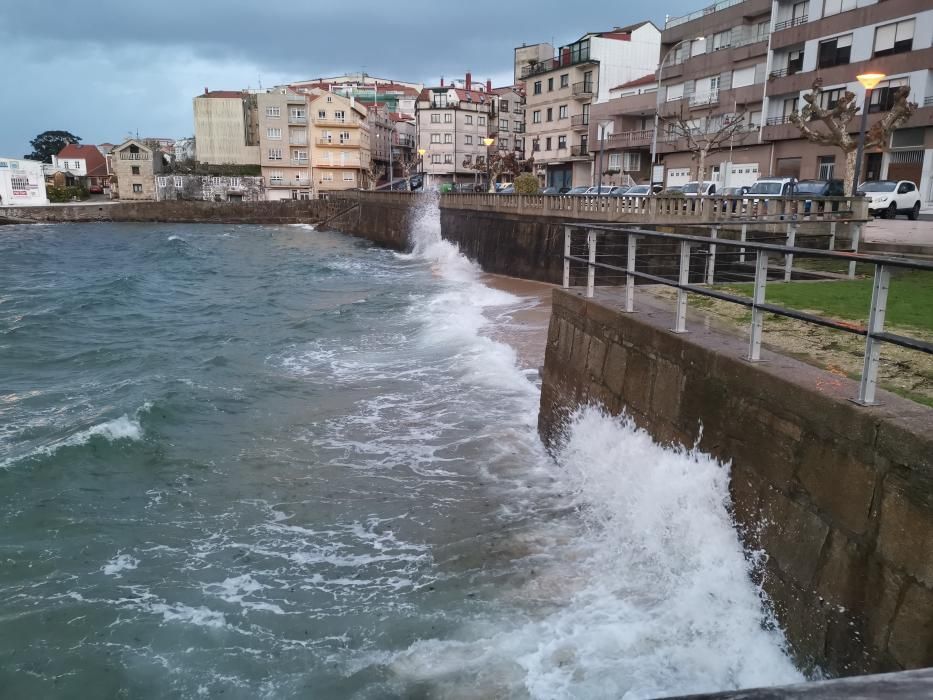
568 232
856 234
591 266
680 319
789 257
832 235
758 298
629 277
711 259
743 236
879 303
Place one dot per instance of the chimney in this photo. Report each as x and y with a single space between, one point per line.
469 81
442 81
488 86
206 91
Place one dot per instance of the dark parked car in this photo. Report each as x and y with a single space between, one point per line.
578 190
735 191
550 190
820 188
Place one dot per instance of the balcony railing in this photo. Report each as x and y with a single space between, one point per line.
721 5
336 143
579 151
639 137
129 155
557 62
297 119
580 120
300 162
775 121
298 140
699 99
788 23
928 101
583 89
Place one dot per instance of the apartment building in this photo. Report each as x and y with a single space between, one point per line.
452 125
509 123
340 142
836 40
226 127
396 95
135 167
284 148
713 70
621 131
560 90
381 139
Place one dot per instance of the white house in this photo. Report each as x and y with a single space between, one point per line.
21 183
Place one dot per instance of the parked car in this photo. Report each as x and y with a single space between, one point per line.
507 188
692 189
416 182
640 191
735 191
773 187
888 198
820 188
578 190
550 190
96 189
620 191
502 185
604 190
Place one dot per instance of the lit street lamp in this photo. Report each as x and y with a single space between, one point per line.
488 142
868 81
657 101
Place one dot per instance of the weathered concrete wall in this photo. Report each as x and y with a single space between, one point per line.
285 212
839 496
384 221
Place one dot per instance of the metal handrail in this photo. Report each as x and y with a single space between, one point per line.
873 333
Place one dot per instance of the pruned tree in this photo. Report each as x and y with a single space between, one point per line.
374 172
500 162
705 133
837 118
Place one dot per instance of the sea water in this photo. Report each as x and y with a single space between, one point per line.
277 462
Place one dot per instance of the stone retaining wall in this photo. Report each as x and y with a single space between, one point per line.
839 496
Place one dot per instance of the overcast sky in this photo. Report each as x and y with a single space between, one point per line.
107 68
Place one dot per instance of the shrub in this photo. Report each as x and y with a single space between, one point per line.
526 183
66 194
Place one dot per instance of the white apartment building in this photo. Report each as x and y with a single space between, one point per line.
22 183
560 90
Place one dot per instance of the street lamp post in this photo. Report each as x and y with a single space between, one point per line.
868 81
657 101
421 153
488 142
602 126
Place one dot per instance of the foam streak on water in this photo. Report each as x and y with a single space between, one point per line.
275 462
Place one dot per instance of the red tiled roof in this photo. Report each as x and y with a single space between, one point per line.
649 79
223 93
96 163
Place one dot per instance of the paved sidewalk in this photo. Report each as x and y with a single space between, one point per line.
899 236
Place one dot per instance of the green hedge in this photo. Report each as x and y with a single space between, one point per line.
526 183
66 194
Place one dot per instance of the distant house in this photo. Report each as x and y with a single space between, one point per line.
85 164
210 188
21 183
135 166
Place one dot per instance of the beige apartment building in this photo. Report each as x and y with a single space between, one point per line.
560 91
340 142
284 150
509 122
226 127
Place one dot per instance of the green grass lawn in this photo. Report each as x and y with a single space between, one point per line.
910 298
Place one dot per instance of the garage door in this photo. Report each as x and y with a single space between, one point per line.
906 165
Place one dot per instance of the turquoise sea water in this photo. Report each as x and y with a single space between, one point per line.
264 462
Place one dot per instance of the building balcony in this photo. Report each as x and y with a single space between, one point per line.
341 123
580 121
704 99
774 121
300 162
290 182
557 63
583 90
792 22
129 155
579 151
298 140
295 98
630 139
336 143
344 166
296 119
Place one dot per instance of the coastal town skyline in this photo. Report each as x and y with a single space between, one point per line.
96 72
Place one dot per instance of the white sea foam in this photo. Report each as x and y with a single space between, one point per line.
174 237
306 227
119 564
654 597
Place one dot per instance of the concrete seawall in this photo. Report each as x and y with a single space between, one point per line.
840 497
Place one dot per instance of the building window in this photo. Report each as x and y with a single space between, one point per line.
435 138
436 158
550 84
137 187
481 121
503 144
562 112
631 161
276 177
829 98
297 113
536 117
275 154
615 161
536 145
435 118
565 80
328 177
894 38
348 176
448 158
503 125
300 155
882 97
561 142
834 52
722 40
467 140
179 183
537 87
550 114
163 181
794 62
344 137
503 105
826 166
135 169
547 144
321 114
274 132
448 138
468 119
340 115
834 7
516 126
273 111
468 158
448 117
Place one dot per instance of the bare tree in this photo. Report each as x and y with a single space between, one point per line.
705 133
836 120
374 171
500 163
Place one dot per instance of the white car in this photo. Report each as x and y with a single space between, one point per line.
890 198
692 189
